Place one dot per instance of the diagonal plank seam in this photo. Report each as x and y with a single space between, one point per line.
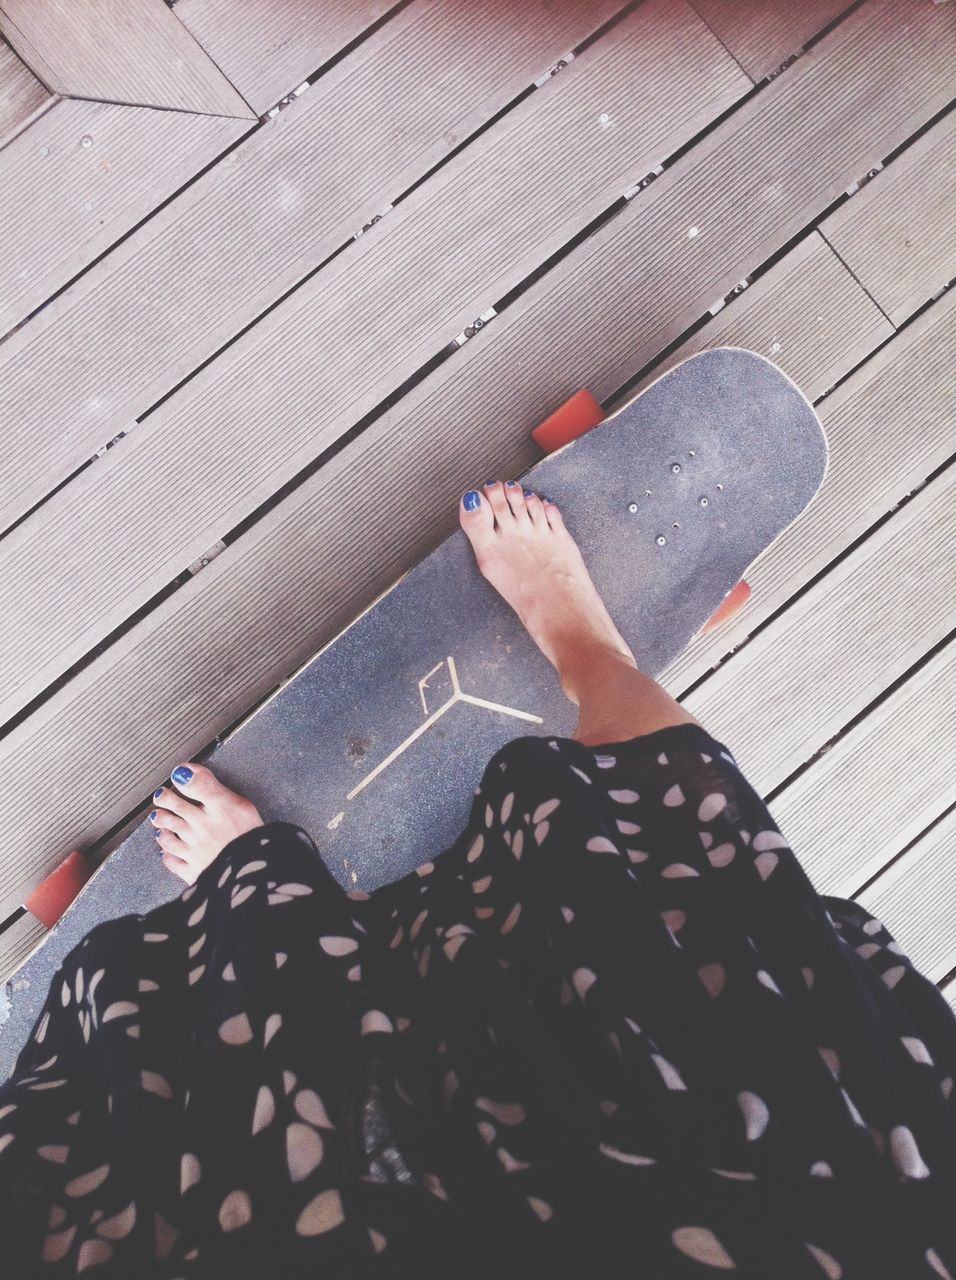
394 202
910 844
884 694
363 423
104 841
121 239
850 547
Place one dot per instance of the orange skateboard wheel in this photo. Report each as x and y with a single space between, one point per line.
53 895
574 418
734 600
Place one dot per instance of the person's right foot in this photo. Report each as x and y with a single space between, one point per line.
525 551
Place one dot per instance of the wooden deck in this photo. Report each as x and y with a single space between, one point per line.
242 385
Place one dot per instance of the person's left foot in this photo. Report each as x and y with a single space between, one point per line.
192 832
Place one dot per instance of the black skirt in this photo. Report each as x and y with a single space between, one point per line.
613 1030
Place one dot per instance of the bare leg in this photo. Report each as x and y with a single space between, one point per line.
616 701
526 553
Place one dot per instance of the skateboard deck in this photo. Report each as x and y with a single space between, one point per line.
375 746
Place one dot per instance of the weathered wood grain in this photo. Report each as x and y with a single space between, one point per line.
266 50
799 682
877 788
292 582
305 394
763 35
916 896
82 175
290 195
898 233
125 51
20 939
156 669
874 462
22 96
340 348
792 315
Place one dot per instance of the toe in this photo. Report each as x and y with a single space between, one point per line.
168 799
198 783
164 820
516 502
553 515
495 494
476 516
535 508
178 867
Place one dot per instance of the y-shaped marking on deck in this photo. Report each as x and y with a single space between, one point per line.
457 696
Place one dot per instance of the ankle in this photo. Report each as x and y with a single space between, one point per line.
586 665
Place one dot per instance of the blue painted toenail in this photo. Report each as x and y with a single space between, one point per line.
528 493
152 816
489 483
472 500
157 793
512 483
181 775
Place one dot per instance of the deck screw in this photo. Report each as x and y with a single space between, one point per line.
86 141
660 540
692 453
647 493
775 346
719 487
44 151
693 231
675 467
88 206
604 118
632 507
704 501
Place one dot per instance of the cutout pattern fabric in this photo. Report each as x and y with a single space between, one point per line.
612 1031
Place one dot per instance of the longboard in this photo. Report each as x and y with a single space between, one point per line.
375 746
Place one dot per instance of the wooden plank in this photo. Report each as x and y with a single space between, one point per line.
298 576
69 199
916 896
897 233
800 681
305 394
879 786
480 252
303 572
123 51
266 50
291 194
22 96
762 36
949 991
792 316
873 464
16 943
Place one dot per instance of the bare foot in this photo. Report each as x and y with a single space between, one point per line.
526 553
191 835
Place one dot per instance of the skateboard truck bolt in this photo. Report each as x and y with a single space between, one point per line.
675 467
632 507
660 540
704 501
